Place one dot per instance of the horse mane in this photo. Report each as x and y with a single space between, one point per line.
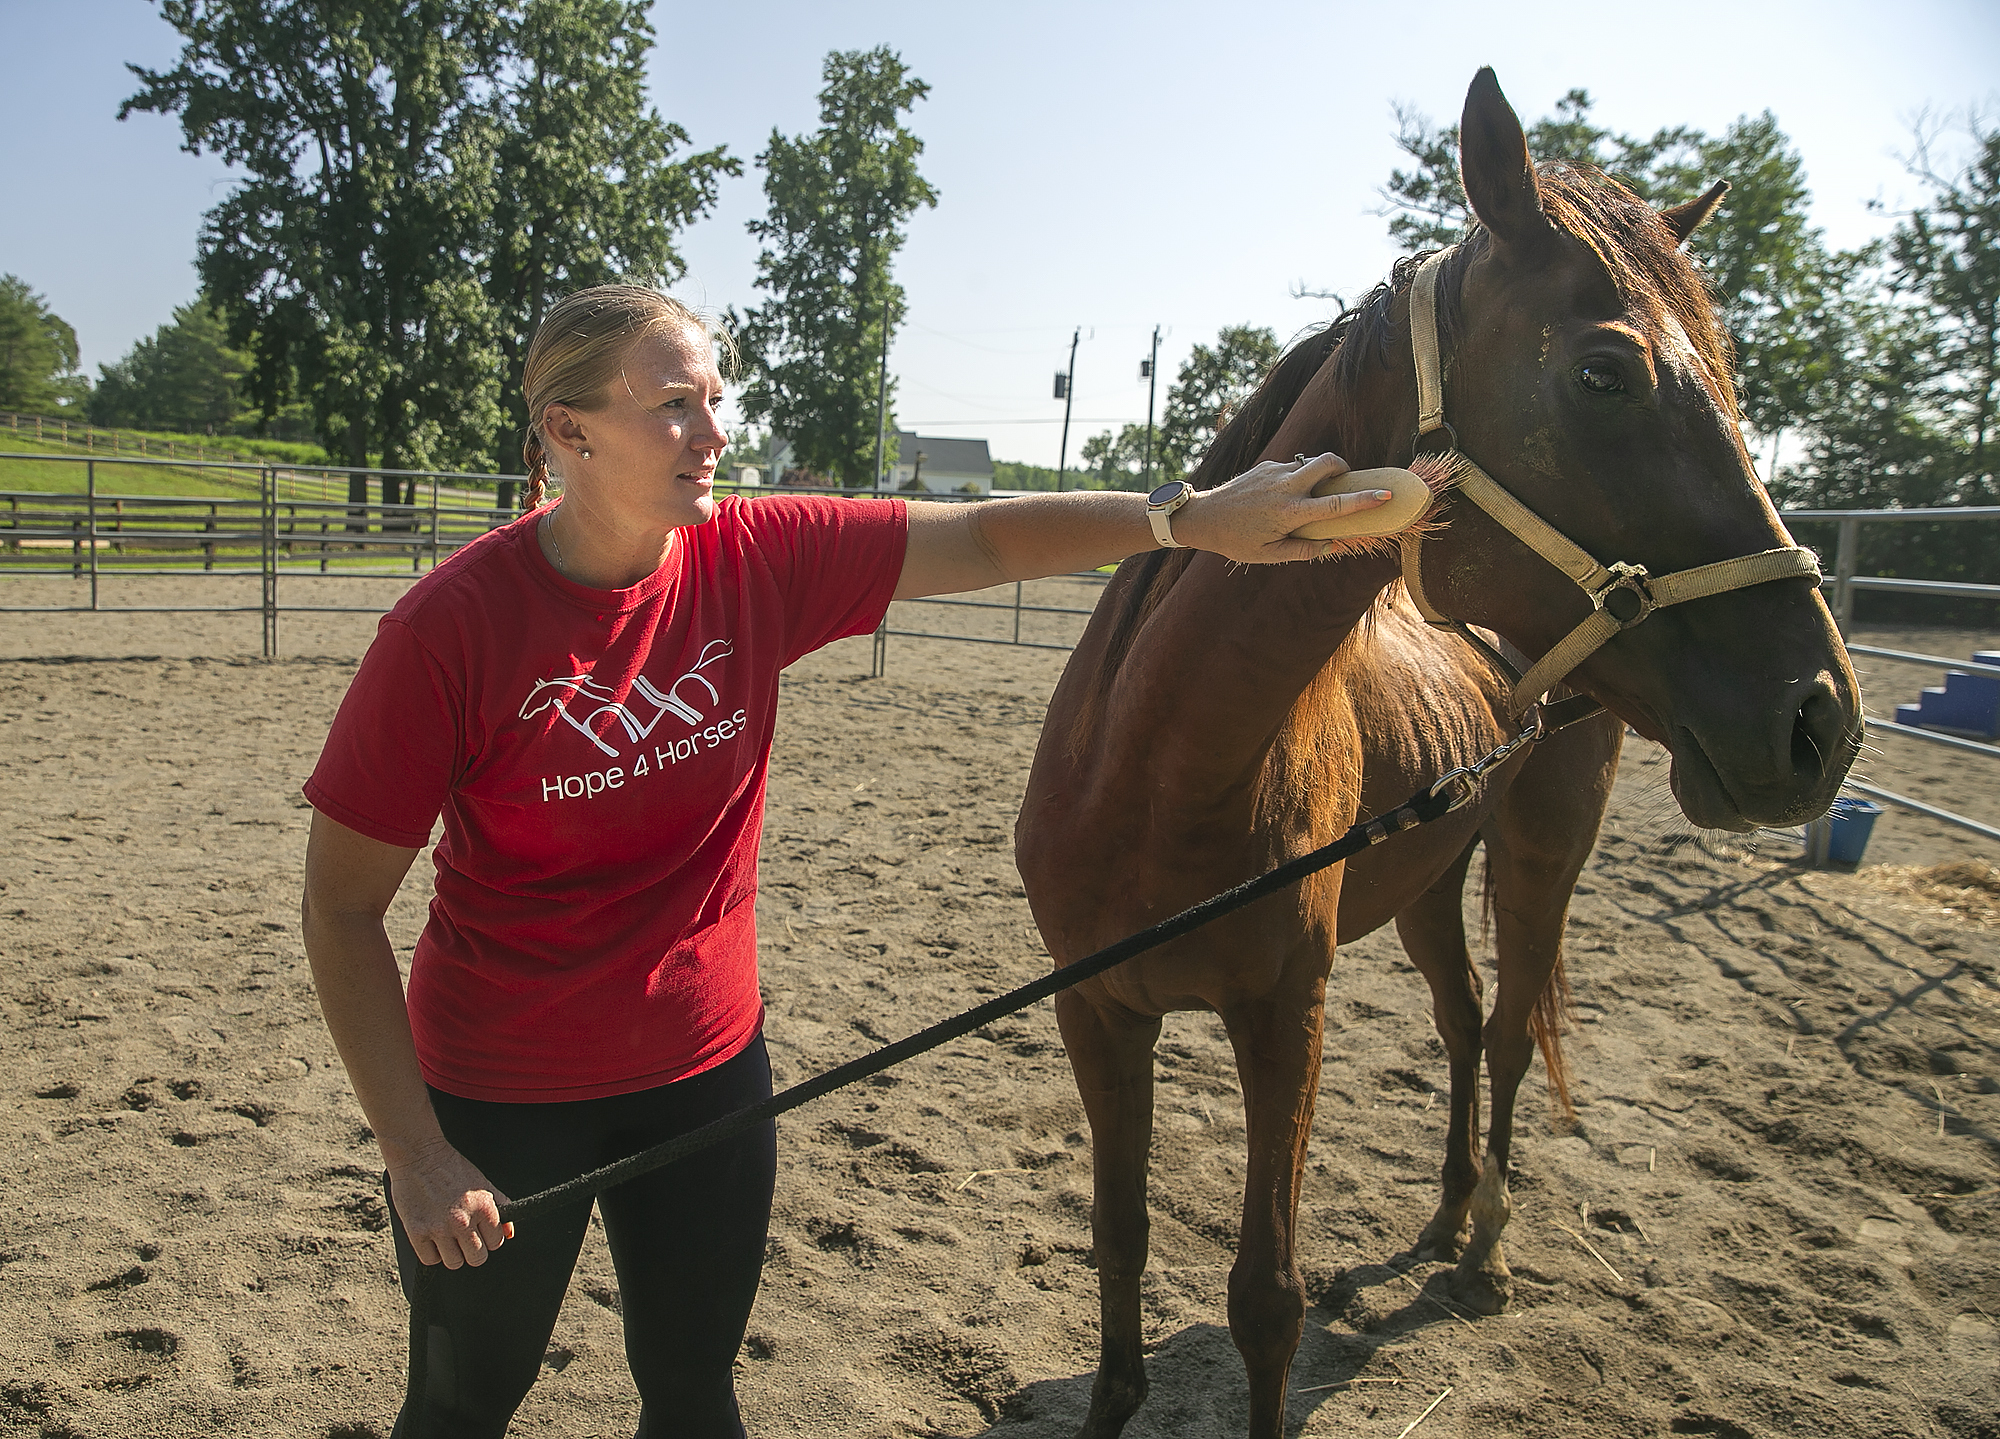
1643 258
1143 581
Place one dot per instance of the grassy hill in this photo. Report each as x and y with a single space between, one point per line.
24 435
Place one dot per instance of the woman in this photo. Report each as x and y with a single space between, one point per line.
587 696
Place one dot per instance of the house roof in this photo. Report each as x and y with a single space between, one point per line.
944 456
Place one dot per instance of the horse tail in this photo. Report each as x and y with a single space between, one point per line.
1555 1009
1547 1021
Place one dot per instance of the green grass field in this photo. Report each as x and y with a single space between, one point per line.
118 476
66 476
157 443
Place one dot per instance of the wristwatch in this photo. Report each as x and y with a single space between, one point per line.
1160 507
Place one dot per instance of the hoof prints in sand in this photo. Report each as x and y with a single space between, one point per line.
1764 1059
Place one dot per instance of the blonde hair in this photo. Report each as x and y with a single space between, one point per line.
581 348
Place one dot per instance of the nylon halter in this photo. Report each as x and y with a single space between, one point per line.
1621 595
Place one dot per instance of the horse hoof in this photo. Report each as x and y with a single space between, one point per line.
1481 1292
1111 1408
1435 1248
1099 1426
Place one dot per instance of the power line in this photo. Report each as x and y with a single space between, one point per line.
1052 420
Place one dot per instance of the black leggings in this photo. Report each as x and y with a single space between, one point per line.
687 1242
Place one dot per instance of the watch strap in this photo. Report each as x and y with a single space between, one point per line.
1161 517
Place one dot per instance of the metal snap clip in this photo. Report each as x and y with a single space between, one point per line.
1465 780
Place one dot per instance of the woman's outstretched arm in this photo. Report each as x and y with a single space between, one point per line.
956 547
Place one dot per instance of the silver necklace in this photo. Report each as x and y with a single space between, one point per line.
549 528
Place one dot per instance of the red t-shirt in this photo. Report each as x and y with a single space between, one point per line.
599 758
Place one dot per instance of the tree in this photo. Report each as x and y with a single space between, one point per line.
1211 384
422 178
347 251
186 377
1901 410
1020 475
1944 260
839 201
1766 264
588 191
1117 462
38 353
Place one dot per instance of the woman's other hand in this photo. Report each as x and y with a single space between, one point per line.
450 1211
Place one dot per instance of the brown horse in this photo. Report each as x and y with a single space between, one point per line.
1216 721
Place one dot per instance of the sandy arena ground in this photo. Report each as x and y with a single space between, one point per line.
1778 1212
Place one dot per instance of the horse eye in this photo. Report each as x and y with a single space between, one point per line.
1599 378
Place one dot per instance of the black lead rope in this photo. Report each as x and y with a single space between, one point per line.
1421 808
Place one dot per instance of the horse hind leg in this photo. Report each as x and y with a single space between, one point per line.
1432 930
1112 1059
1536 846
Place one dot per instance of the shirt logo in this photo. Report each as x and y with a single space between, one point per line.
581 700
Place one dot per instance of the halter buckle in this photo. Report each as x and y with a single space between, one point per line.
1625 597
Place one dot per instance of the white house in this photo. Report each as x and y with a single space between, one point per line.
939 466
923 462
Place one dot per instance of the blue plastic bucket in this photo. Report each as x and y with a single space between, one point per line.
1851 821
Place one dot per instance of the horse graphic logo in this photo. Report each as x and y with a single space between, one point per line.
580 700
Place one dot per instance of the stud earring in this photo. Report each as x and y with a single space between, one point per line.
584 453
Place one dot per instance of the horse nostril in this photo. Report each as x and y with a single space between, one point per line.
1806 756
1815 733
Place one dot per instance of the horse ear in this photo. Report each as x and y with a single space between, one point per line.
1493 162
1684 220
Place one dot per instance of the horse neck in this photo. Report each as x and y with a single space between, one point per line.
1229 650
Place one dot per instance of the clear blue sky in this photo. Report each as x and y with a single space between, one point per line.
1110 166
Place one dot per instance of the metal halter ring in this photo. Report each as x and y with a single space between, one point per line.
1626 580
1417 445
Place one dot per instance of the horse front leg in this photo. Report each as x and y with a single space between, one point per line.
1277 1042
1433 933
1111 1055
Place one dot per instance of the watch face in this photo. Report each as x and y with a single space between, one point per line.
1166 493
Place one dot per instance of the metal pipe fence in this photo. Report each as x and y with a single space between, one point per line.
1843 584
285 521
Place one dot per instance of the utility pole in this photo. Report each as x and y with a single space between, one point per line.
1066 392
1151 370
882 397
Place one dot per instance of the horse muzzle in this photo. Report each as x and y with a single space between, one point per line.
1739 766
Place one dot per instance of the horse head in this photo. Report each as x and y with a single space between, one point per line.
558 692
1584 370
